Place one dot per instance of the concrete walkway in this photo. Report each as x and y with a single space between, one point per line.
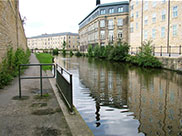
31 116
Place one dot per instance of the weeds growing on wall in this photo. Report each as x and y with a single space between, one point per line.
9 65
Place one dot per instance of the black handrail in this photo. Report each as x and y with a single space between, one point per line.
36 77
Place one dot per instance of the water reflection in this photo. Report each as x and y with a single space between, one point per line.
120 95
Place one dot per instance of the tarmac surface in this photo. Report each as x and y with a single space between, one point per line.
32 115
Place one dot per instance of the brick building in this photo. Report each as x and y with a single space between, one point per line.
11 27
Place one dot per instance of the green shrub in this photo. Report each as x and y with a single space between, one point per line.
145 58
119 52
97 51
55 51
78 54
71 53
9 66
90 51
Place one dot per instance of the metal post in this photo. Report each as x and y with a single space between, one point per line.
180 50
153 51
169 51
71 89
61 70
19 82
41 80
161 50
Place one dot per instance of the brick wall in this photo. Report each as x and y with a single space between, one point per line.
11 28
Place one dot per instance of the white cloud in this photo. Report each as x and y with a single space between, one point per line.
54 16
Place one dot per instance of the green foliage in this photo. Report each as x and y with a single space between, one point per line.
90 51
78 54
9 65
97 51
106 51
64 46
71 53
45 58
145 58
55 51
119 52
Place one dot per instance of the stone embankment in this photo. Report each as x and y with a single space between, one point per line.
172 63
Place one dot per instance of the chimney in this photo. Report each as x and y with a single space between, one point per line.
97 2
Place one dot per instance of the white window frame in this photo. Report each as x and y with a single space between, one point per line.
102 34
154 18
102 23
146 4
163 15
120 9
145 34
120 22
175 11
175 30
163 32
102 11
111 10
153 33
146 20
110 24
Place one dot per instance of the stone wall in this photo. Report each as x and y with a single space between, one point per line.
11 28
172 63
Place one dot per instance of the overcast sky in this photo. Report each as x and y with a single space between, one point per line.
55 16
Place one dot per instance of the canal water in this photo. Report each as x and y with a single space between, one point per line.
118 99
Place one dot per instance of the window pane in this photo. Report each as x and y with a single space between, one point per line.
111 24
120 9
102 23
103 11
120 21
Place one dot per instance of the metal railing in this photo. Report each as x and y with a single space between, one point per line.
65 85
35 77
161 50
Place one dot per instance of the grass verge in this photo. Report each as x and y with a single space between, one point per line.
45 58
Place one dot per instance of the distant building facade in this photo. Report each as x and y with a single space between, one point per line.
53 41
158 21
106 24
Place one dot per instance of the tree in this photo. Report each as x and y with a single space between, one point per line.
64 46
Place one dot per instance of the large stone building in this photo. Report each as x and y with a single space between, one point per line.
11 27
53 41
158 21
106 24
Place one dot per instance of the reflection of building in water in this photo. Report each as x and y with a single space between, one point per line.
155 99
106 86
156 104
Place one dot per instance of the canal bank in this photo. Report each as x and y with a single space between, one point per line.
171 63
33 115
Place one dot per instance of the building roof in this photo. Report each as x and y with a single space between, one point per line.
105 5
54 35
